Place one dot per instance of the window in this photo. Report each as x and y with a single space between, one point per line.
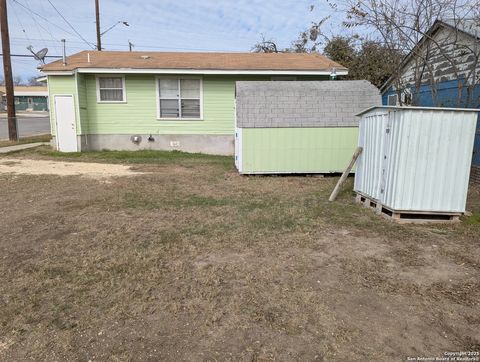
392 100
179 98
111 89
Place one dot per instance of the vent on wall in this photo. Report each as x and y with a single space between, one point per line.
136 139
392 100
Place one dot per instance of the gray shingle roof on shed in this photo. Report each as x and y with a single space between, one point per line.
269 104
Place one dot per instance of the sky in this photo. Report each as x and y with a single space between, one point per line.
154 25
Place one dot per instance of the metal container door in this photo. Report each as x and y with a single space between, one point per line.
386 154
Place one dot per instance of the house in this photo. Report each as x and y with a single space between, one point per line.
161 100
443 70
28 98
299 127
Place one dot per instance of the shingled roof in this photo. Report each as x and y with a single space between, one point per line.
303 103
195 61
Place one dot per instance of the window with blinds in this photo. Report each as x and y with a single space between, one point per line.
179 98
111 89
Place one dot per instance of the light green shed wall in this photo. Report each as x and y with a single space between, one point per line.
139 113
297 150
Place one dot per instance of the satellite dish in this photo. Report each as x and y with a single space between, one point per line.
40 55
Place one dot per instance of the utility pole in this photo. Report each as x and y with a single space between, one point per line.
97 17
130 45
7 68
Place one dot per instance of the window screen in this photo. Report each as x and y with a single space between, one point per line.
111 89
179 98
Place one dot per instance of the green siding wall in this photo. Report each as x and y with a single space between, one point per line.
139 113
297 150
82 111
60 85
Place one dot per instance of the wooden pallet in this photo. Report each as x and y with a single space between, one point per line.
419 217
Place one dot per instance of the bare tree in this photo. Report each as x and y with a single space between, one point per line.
312 39
17 80
410 25
364 58
265 46
32 81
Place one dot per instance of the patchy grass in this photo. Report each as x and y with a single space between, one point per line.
195 262
23 140
131 157
473 219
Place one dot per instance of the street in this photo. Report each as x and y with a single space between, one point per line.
28 125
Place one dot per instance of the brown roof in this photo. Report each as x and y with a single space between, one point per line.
195 61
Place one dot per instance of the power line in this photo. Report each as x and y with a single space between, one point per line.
70 25
144 46
20 23
73 48
48 30
38 26
42 17
48 21
32 56
76 48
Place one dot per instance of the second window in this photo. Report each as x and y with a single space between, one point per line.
179 98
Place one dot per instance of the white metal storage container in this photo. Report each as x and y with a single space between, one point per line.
416 159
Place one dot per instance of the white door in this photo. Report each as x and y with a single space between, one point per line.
66 128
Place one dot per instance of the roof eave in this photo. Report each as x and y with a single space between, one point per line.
369 109
195 71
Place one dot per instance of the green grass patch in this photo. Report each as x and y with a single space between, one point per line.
473 219
135 157
24 140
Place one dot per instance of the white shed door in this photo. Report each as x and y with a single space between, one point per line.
66 128
386 154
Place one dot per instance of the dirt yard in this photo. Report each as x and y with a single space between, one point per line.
190 261
61 168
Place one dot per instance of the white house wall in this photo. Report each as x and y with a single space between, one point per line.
453 44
